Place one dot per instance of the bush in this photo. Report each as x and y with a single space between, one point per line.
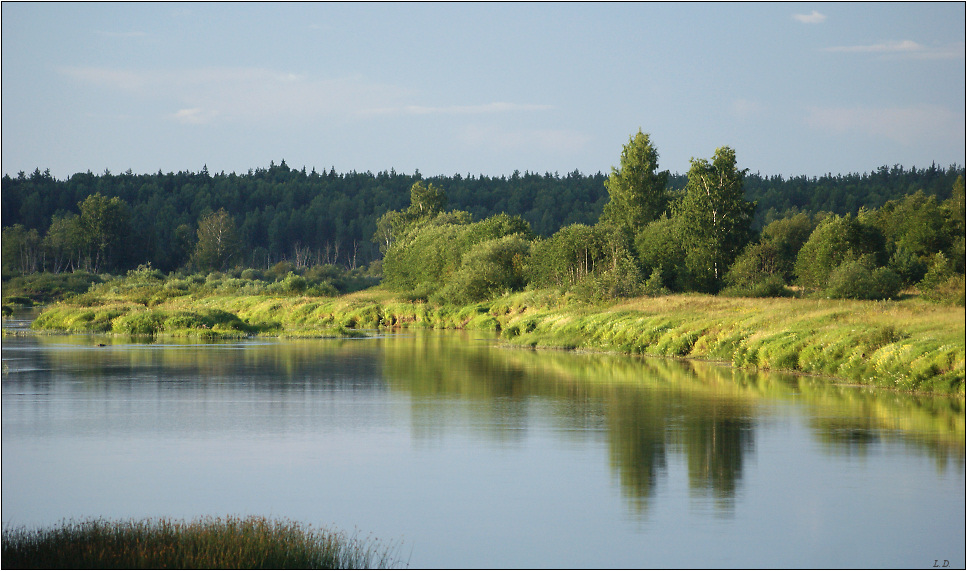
250 274
834 242
145 273
950 292
432 254
757 264
490 268
907 265
771 286
280 270
139 323
660 248
45 287
941 284
294 283
854 280
655 286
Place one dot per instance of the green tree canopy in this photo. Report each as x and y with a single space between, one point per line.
429 255
218 244
426 201
716 218
637 190
106 227
836 241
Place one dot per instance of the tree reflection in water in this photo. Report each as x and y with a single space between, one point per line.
648 410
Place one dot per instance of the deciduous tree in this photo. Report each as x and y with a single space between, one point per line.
716 218
106 225
218 243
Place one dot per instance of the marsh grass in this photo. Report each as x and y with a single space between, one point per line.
910 345
208 543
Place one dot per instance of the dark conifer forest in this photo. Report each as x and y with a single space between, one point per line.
637 231
311 217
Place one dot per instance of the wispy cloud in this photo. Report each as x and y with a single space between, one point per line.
502 139
902 46
746 108
193 116
906 48
496 107
242 94
131 34
906 125
812 18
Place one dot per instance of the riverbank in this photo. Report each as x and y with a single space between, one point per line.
908 345
209 543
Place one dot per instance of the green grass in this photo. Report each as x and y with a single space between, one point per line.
910 345
208 543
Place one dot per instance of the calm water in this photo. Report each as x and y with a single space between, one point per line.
472 455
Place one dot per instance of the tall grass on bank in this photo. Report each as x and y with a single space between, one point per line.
909 345
208 543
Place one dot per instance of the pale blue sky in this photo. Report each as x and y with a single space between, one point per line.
480 88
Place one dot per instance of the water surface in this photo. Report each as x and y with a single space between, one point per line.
474 455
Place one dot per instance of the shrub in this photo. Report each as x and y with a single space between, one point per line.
834 242
655 286
281 269
432 253
771 286
757 264
574 253
294 283
907 266
622 279
139 323
941 284
250 274
660 248
489 268
854 280
324 289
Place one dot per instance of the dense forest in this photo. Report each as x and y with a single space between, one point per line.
282 213
635 231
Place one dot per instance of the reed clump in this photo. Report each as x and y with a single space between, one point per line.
209 543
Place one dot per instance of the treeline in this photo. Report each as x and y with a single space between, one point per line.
279 213
113 223
652 239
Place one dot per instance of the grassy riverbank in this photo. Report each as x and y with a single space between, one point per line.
909 345
209 543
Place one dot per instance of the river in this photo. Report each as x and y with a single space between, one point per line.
466 454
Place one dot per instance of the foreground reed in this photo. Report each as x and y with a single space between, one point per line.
207 543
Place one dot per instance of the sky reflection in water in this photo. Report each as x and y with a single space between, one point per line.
480 456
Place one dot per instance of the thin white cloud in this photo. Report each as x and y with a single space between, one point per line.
501 139
241 94
905 48
902 46
496 107
132 34
204 95
812 18
746 108
193 116
905 125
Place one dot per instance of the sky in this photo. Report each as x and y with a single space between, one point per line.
480 88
